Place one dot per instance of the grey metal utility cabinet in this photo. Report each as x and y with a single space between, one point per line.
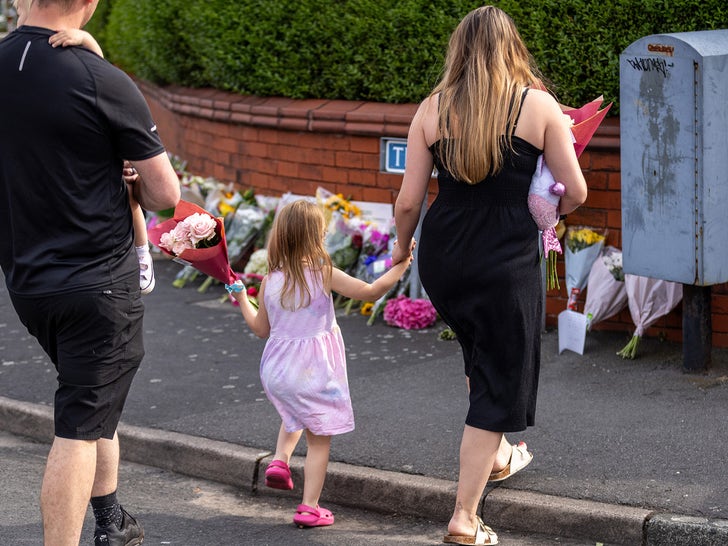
674 161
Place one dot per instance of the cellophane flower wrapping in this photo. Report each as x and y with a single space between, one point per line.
648 300
344 241
409 314
336 202
213 260
374 258
583 246
242 225
544 195
607 294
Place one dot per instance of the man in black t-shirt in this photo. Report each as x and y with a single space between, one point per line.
67 249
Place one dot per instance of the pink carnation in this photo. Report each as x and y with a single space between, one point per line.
403 312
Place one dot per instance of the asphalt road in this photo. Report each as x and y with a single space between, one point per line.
184 511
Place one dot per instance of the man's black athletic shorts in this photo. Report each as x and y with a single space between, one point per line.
95 340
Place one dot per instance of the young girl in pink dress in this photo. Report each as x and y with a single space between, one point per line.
303 367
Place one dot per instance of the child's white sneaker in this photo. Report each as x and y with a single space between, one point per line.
146 269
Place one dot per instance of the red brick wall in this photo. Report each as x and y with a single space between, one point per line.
275 145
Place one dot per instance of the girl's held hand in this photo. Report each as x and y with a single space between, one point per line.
66 37
237 290
399 253
129 173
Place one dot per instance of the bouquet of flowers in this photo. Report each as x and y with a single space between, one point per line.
544 195
336 203
374 258
545 192
583 245
648 300
242 226
343 241
194 237
607 294
409 314
258 262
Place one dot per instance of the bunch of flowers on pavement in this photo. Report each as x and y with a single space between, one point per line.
374 258
258 262
344 241
238 223
583 245
607 294
410 314
336 202
648 299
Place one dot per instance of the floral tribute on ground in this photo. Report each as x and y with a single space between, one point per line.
583 246
409 314
222 233
648 299
607 294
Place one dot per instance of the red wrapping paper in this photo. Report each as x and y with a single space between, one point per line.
586 121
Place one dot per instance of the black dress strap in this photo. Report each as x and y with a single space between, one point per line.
520 107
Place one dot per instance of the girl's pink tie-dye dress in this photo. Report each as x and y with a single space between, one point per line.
303 368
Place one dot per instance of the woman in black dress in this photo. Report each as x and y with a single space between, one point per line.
483 127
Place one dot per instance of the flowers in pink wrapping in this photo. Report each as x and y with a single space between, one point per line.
545 192
409 314
195 231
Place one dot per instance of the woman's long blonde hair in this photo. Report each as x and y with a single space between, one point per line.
486 69
296 244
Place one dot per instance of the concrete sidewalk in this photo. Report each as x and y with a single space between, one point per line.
626 452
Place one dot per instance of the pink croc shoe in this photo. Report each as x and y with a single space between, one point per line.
278 475
308 516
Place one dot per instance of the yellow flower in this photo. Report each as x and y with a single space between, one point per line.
339 203
579 239
225 209
367 308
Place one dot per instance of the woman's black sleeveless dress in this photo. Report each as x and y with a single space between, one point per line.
478 257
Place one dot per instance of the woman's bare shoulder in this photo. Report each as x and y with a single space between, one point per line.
540 98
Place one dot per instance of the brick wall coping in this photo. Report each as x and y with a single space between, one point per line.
313 115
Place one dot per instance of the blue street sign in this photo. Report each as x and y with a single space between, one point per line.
392 155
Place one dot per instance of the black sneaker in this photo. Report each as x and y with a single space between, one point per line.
130 534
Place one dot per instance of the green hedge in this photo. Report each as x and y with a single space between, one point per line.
374 50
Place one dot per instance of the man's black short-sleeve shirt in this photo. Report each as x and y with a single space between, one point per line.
70 118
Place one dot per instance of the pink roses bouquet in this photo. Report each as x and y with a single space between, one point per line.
195 237
195 231
409 314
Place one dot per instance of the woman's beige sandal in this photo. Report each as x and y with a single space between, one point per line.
520 458
483 535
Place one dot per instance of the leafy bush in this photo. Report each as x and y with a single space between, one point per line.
374 49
